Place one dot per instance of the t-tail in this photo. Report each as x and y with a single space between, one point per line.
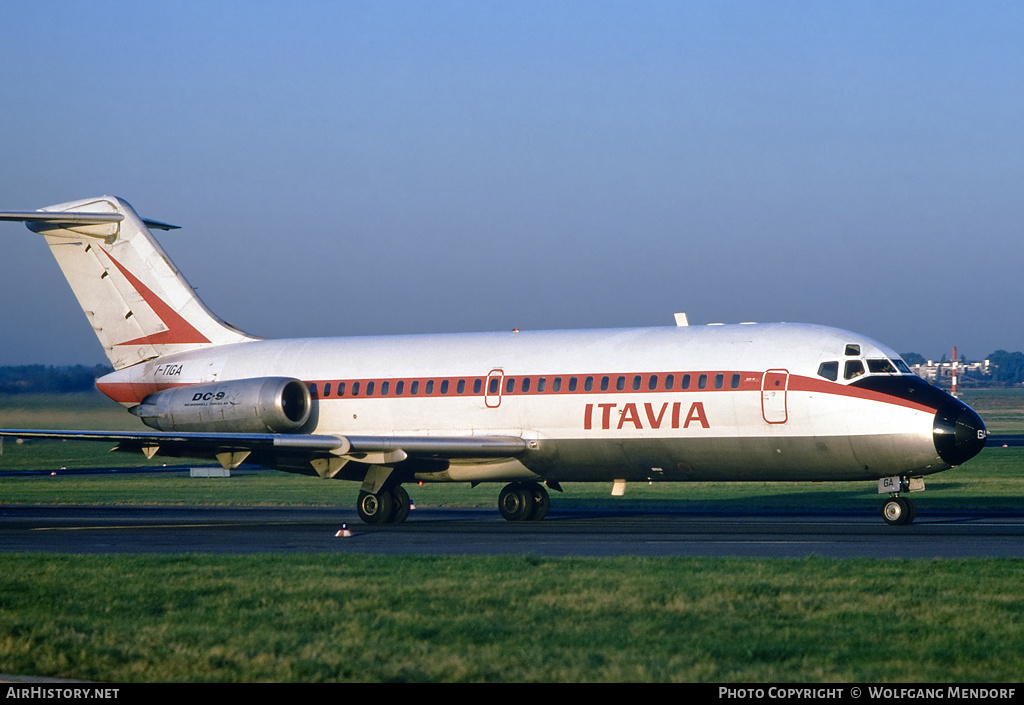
138 303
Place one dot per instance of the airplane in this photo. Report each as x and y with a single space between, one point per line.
532 409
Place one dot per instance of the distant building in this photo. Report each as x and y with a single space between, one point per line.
969 374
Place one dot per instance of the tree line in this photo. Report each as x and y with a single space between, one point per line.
1007 367
36 379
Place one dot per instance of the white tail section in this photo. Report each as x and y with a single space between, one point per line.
135 299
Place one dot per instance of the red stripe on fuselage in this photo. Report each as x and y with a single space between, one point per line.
127 392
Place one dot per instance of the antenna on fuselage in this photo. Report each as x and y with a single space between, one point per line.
682 320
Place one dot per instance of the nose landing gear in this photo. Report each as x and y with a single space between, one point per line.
898 511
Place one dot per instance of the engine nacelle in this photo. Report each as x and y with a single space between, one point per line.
260 405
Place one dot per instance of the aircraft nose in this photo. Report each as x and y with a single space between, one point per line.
958 432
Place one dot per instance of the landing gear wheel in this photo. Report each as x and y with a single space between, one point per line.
400 512
898 511
515 502
375 508
524 501
541 502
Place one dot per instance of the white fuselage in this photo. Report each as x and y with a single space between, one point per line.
737 402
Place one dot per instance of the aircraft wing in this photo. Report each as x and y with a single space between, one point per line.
292 451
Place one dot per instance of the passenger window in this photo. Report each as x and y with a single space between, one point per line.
341 389
327 389
414 388
702 381
399 387
428 389
686 382
355 389
588 384
620 383
460 387
735 381
541 384
652 383
444 386
854 368
525 386
556 384
572 384
477 385
636 382
369 388
829 370
604 383
719 380
510 385
385 386
492 386
669 381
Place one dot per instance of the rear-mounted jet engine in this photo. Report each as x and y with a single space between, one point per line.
260 405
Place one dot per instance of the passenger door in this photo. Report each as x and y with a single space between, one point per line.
773 396
492 388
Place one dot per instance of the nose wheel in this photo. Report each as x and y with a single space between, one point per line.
898 511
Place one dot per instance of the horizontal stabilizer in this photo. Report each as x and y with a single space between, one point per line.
66 218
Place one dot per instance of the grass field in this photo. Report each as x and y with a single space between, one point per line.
506 619
509 619
1002 410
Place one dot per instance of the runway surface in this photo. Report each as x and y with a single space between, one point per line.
484 532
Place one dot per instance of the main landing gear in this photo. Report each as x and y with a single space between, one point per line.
519 501
390 506
523 501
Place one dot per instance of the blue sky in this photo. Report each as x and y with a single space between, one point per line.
361 168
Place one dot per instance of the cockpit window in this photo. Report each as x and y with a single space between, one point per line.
903 367
854 368
852 349
882 366
829 370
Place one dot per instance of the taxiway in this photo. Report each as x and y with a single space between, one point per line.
65 529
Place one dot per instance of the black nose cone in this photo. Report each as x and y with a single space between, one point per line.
959 432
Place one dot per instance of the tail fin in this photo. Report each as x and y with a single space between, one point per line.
135 299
